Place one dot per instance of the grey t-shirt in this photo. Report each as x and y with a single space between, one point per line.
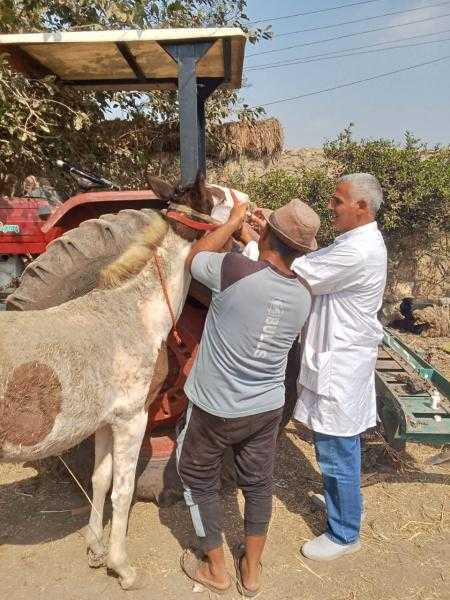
255 314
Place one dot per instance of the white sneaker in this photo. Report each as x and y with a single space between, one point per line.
323 549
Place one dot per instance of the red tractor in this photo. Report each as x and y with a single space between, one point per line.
52 252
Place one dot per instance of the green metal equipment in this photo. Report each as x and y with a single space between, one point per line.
406 385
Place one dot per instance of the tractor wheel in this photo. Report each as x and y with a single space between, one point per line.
68 269
70 266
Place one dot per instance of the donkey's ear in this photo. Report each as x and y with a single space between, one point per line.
200 184
204 198
163 190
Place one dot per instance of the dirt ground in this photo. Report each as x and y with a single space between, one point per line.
406 534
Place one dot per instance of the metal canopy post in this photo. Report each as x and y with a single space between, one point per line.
205 88
192 95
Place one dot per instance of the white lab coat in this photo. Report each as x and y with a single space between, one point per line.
336 382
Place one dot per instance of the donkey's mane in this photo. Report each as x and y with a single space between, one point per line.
131 262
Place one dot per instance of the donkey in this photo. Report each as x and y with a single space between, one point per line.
87 366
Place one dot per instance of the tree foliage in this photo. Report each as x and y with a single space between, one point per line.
38 120
276 187
414 178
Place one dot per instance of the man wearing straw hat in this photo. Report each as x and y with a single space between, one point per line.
336 382
236 385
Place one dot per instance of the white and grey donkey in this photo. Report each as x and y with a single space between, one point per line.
88 365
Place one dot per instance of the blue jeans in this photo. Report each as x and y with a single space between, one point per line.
340 462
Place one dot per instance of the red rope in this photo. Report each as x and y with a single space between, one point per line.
185 220
199 226
162 280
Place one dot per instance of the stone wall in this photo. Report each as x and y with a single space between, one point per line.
291 160
417 269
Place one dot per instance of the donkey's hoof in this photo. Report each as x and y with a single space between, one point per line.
135 580
95 561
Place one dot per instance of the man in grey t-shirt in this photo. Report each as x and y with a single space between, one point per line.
236 385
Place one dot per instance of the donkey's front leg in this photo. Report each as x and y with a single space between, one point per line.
101 482
127 435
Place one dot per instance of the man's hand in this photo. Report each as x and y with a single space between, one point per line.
246 234
258 219
214 241
238 212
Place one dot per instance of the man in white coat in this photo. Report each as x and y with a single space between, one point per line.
336 382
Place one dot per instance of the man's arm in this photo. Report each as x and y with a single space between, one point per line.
215 240
331 269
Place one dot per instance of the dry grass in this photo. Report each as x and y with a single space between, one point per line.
405 535
231 140
254 140
437 319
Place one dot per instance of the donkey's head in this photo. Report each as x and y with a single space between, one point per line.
196 196
207 199
204 199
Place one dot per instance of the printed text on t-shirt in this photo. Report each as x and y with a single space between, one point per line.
273 316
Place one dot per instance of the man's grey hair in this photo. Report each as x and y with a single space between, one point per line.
368 187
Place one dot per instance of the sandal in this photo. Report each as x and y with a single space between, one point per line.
190 564
238 555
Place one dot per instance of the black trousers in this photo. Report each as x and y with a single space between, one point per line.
201 444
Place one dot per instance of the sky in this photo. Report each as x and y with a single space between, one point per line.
416 100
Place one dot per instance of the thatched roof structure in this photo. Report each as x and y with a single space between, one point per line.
231 140
255 140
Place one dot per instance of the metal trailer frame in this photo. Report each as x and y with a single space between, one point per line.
403 382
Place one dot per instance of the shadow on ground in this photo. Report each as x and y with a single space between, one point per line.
296 475
41 509
45 508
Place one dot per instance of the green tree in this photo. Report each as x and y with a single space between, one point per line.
415 181
39 122
276 187
414 178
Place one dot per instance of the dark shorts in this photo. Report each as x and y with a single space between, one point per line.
201 445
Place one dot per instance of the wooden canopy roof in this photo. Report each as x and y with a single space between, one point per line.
124 60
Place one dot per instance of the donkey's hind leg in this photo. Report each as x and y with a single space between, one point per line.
101 482
127 436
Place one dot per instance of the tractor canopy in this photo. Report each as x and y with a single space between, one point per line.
196 61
